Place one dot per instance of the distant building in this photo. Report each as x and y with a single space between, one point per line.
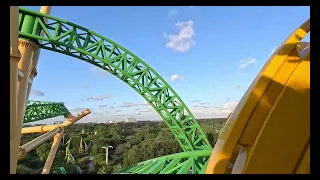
130 120
111 122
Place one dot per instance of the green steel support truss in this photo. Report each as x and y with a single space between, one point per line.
39 110
70 39
192 162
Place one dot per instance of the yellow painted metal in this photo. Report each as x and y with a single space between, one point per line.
81 146
70 120
53 151
246 120
24 149
267 133
304 166
35 58
268 98
285 133
14 59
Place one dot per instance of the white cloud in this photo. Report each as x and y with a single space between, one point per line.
85 84
36 93
245 63
98 98
98 71
128 104
183 41
173 12
149 114
215 112
95 113
78 109
145 103
145 110
176 77
231 105
237 87
273 50
191 6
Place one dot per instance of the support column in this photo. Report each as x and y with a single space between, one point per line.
29 146
33 70
81 146
26 49
14 59
52 154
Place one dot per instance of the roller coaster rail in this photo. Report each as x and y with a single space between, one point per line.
54 34
31 31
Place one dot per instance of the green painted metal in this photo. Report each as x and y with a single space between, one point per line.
70 39
192 162
27 25
69 157
61 170
39 110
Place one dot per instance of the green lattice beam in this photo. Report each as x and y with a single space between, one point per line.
39 110
192 162
70 39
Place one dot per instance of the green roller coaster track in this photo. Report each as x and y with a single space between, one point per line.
73 40
39 110
192 162
69 156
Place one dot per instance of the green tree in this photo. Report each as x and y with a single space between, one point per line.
43 151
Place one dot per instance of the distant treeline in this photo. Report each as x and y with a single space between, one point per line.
132 142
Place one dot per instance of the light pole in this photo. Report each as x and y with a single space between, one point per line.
107 153
63 139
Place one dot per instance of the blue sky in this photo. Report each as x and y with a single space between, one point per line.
209 55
